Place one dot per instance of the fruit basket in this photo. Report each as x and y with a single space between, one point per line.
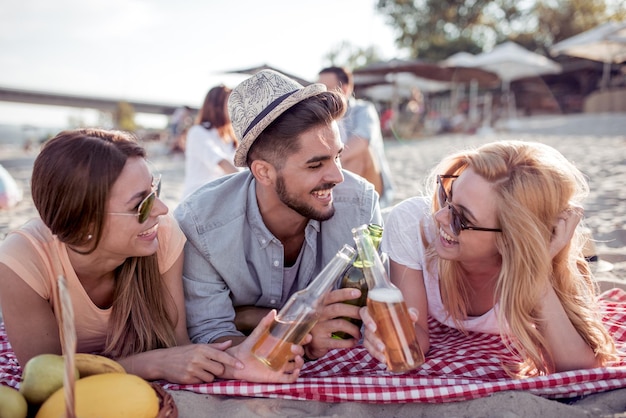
167 405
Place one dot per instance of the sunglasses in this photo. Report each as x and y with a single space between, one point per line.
459 222
145 206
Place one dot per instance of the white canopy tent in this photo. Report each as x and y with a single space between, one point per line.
510 62
605 43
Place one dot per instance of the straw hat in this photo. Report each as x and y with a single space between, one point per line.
258 101
591 255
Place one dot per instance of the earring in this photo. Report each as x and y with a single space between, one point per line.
89 237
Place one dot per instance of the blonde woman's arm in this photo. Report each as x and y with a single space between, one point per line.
568 349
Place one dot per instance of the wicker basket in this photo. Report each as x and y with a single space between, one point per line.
166 402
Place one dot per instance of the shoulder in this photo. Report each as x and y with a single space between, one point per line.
34 231
417 205
216 203
409 216
354 189
356 200
171 242
363 106
200 132
30 248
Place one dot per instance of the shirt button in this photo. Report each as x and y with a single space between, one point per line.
263 241
275 263
273 301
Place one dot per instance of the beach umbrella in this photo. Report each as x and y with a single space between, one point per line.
605 43
430 71
510 62
254 70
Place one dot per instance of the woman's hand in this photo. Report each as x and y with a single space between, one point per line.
372 343
564 228
256 371
186 364
332 320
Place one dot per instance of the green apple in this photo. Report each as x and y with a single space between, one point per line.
12 403
42 376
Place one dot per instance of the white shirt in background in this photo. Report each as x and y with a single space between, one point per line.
204 150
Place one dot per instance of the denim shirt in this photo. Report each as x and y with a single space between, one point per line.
232 259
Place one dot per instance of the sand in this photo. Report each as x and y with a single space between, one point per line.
595 143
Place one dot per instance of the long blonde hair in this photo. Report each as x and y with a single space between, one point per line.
533 183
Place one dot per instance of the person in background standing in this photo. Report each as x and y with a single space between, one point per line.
364 152
211 142
179 124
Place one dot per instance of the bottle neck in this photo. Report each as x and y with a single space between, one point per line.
327 278
375 232
373 268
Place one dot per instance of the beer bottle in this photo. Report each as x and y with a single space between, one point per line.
386 305
301 312
354 278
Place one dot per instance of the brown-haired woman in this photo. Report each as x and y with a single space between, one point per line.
105 229
211 142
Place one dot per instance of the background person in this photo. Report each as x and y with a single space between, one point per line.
104 228
258 236
364 152
498 251
211 142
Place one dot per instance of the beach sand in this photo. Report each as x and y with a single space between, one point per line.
595 143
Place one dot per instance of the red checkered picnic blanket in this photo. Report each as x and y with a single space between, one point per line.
458 367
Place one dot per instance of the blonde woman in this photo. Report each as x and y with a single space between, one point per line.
497 250
211 142
103 226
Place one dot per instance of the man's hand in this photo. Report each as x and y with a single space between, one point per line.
331 321
256 371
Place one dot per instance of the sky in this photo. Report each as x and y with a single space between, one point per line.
168 51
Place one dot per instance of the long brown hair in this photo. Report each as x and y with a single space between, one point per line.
71 182
533 184
213 114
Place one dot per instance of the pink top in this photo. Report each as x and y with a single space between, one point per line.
38 257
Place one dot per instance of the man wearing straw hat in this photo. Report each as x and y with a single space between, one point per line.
258 236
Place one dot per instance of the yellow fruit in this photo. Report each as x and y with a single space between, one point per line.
108 395
42 376
12 403
90 364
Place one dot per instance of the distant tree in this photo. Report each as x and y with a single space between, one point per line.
351 56
124 117
561 19
436 29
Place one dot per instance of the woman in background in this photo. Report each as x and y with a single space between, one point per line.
211 142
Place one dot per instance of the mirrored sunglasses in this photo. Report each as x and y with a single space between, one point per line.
458 221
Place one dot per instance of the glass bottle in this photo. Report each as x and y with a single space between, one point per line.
300 314
354 278
386 305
